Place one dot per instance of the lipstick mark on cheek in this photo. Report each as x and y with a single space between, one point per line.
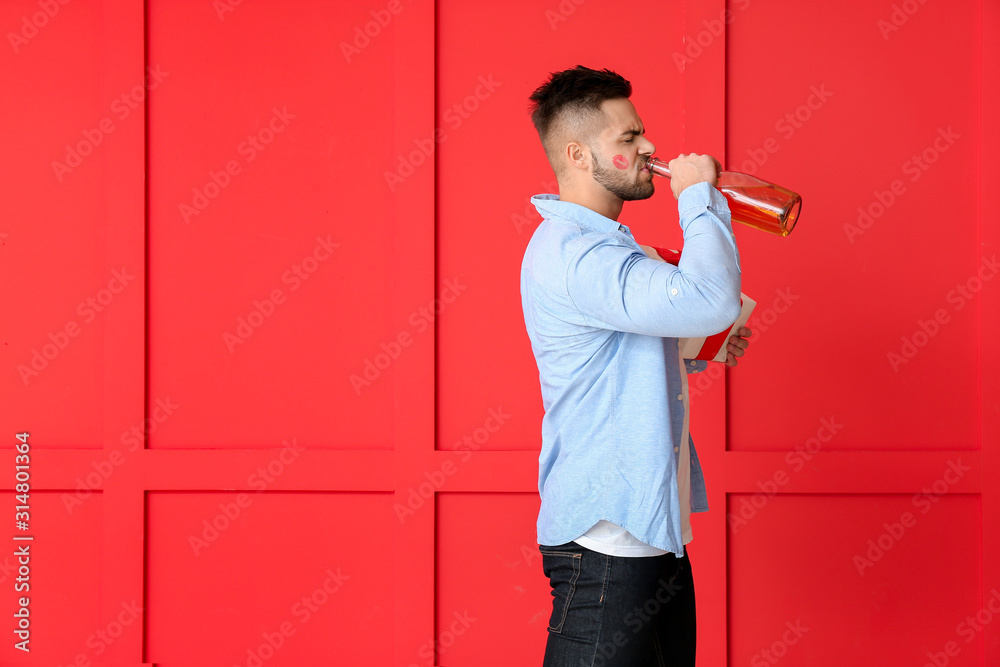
620 162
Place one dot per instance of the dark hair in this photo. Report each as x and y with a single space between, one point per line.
577 89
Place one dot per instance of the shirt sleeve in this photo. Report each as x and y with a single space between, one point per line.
614 285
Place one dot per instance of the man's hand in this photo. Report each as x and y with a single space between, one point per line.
652 254
686 170
737 346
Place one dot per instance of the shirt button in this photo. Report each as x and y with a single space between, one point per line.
680 397
694 363
677 449
674 291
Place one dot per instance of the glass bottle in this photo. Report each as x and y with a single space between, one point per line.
766 206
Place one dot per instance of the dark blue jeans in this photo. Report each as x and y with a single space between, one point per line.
611 611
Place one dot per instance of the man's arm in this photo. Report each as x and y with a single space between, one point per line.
616 286
735 347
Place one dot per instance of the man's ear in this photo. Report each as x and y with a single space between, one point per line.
578 155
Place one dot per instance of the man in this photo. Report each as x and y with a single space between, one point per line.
618 472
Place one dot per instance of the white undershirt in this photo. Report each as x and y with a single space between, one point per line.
611 539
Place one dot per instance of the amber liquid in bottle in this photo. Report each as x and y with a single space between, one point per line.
765 206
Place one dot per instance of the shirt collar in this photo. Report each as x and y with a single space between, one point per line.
549 205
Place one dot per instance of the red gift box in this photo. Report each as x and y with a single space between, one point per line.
707 348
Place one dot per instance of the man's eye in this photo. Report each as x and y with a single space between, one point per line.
628 141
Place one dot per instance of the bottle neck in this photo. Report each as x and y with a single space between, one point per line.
661 168
658 167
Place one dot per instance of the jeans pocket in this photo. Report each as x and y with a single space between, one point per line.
563 569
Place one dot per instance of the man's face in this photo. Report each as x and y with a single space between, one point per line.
620 151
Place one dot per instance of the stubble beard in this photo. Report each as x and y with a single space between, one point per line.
621 182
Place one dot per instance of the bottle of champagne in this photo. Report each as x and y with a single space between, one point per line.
766 206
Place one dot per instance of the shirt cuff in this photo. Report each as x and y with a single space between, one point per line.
703 195
700 197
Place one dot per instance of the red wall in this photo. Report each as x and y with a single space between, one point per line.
264 332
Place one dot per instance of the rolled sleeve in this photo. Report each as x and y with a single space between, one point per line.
614 285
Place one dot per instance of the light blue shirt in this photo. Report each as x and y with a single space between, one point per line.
603 320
